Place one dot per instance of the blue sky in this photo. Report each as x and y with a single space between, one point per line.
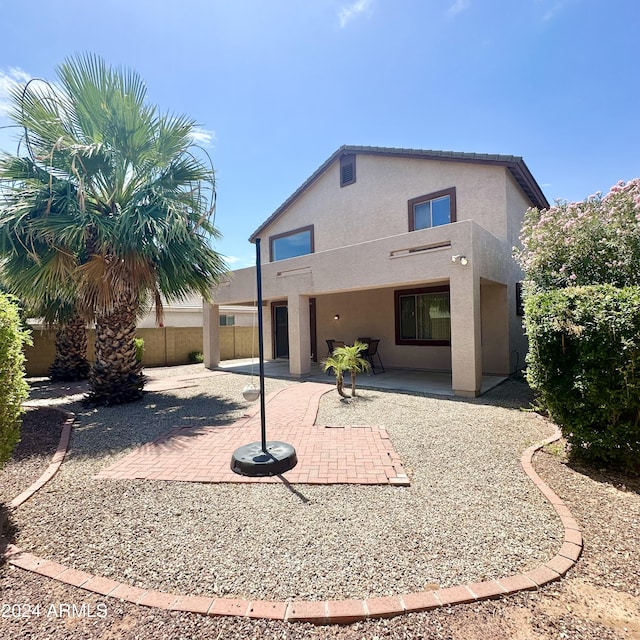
278 85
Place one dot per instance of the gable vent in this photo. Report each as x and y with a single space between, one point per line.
347 169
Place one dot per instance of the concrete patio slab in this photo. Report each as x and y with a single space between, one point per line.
404 380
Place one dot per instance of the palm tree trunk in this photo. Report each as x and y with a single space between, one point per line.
340 385
70 362
116 377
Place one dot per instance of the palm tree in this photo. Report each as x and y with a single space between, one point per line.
70 362
346 358
335 363
125 213
352 361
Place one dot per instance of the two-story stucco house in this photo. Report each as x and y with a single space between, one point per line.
410 247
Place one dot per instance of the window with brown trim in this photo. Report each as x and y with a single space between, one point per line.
347 169
423 316
298 242
433 209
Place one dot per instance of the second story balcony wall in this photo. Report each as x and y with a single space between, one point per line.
404 259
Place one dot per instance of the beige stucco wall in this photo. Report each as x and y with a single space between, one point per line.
495 328
366 274
189 314
418 257
172 317
364 251
370 314
376 204
243 316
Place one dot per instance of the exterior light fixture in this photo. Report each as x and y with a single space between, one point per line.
336 317
463 259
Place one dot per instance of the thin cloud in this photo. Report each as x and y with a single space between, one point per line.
458 7
9 81
202 137
552 8
348 13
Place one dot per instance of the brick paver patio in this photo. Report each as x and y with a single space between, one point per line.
326 454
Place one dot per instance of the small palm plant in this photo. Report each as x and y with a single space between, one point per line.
347 358
353 361
335 363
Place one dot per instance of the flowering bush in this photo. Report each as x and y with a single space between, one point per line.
582 319
596 241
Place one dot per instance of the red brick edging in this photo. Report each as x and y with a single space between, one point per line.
56 461
317 612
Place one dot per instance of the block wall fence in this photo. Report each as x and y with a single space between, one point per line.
163 346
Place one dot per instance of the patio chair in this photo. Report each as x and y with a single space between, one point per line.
370 353
332 344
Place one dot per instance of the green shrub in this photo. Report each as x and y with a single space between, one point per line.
13 387
584 361
196 357
139 342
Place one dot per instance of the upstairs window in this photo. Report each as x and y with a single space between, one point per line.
291 244
432 210
423 316
227 321
347 169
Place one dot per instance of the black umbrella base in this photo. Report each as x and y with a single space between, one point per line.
251 460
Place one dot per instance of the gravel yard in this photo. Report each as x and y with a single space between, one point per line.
470 514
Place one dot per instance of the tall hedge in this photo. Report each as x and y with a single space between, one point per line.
13 387
584 361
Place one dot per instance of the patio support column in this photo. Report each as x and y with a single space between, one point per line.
299 335
466 340
211 335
